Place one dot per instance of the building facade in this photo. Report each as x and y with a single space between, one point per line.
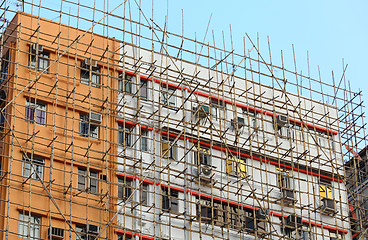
104 139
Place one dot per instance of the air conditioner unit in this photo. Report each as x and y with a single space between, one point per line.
238 123
202 111
287 195
261 214
328 206
89 62
56 233
205 172
281 120
293 220
34 47
92 229
95 117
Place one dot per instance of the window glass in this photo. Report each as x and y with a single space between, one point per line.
87 128
82 179
169 149
202 156
36 112
144 194
168 97
170 199
91 74
249 119
217 109
125 83
29 171
125 187
283 178
38 60
325 191
29 226
125 135
236 166
93 182
144 140
144 89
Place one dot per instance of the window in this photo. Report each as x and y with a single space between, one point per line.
87 179
36 112
170 199
125 187
29 226
217 109
202 156
125 83
4 67
236 166
325 191
296 133
144 194
335 236
90 73
168 97
169 149
145 140
205 211
82 233
249 119
124 237
125 135
87 127
283 178
37 169
283 131
38 60
144 89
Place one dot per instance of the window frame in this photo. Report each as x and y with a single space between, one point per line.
217 109
172 153
284 180
170 200
204 156
206 211
236 166
5 63
144 89
38 166
36 58
125 135
32 110
250 120
87 128
88 179
90 74
27 228
168 96
125 83
125 187
144 194
327 191
145 140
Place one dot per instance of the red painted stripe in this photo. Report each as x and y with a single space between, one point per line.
173 188
136 178
130 234
132 124
204 144
251 109
231 203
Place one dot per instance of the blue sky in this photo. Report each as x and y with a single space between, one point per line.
328 30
